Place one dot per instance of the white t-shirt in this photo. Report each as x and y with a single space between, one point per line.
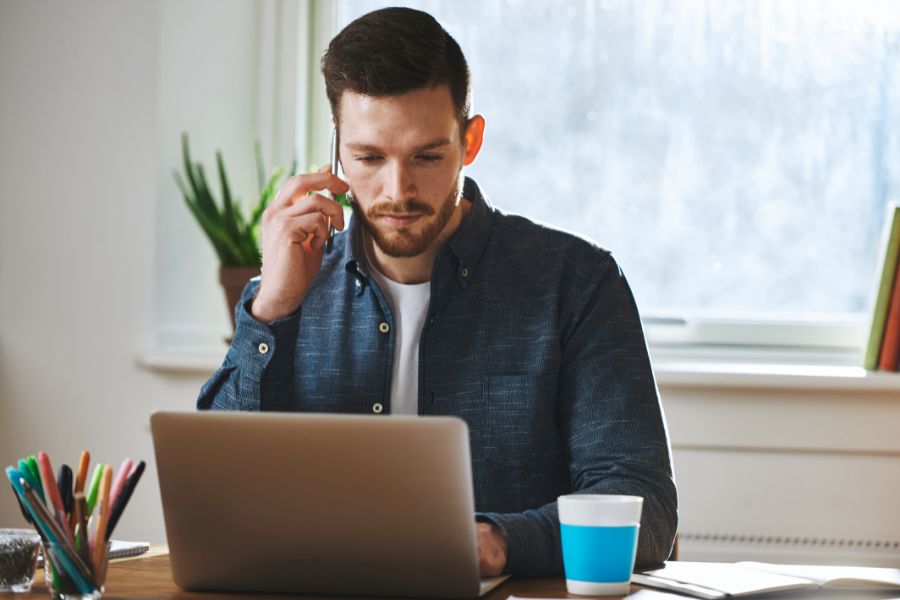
409 303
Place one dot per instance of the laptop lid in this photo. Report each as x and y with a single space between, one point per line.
316 503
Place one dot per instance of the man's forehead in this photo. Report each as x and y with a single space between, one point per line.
426 112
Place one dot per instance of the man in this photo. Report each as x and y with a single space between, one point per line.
434 303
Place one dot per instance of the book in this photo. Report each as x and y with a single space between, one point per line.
890 345
717 581
890 249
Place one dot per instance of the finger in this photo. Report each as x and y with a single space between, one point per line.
313 225
297 229
320 204
299 185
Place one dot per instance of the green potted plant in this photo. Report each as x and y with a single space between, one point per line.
234 236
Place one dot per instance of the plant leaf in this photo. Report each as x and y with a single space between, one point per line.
228 220
260 168
221 249
266 195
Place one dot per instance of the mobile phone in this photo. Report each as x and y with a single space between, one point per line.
335 170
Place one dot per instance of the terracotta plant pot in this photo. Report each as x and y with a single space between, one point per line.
233 280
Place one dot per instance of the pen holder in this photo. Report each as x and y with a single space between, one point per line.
74 576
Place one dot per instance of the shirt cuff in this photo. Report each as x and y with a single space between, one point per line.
256 344
526 543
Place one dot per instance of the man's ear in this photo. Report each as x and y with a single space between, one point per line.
474 138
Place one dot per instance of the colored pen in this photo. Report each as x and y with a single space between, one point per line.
119 481
98 547
95 487
25 469
64 483
51 531
81 528
122 501
36 475
83 462
51 493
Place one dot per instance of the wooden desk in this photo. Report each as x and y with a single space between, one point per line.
150 577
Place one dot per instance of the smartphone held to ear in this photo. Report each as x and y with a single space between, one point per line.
339 198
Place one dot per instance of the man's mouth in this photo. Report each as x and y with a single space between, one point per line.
401 220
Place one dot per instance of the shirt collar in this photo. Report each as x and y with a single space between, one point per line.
467 244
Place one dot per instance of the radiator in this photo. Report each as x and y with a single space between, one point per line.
732 547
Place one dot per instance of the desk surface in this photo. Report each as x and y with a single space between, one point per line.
150 576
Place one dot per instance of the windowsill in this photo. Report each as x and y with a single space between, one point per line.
673 369
186 359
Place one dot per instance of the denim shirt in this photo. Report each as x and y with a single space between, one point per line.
532 337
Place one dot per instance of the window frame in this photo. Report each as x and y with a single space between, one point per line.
819 339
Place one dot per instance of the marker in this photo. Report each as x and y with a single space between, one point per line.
51 493
64 483
95 487
25 469
98 548
122 501
83 462
36 475
81 531
119 481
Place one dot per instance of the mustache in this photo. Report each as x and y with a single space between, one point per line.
399 209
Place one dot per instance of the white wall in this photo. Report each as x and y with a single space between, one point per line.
93 96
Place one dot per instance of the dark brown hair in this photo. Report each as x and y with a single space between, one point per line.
393 51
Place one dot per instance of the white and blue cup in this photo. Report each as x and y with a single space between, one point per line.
599 541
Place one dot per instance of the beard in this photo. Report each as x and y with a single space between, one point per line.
401 242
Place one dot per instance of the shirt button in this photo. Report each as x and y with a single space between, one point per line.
358 283
263 348
464 272
377 408
384 328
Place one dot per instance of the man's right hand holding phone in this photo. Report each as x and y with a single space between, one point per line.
294 232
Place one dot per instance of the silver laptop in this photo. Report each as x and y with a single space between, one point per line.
318 504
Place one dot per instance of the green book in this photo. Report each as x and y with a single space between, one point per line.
890 252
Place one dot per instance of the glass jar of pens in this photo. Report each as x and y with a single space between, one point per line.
74 518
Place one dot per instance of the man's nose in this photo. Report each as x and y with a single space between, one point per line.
399 185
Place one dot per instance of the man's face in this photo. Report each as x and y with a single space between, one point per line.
402 156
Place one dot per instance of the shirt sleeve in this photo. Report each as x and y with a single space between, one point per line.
612 423
259 362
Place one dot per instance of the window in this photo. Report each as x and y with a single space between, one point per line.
735 157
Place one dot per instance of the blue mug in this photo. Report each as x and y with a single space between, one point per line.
599 541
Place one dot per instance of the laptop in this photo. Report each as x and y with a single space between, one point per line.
319 504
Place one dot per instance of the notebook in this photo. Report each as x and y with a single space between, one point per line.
319 504
715 581
119 549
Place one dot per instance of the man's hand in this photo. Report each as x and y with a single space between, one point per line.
493 551
294 230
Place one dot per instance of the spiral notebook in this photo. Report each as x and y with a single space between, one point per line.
119 549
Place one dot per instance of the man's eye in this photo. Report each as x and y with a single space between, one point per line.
368 158
430 157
